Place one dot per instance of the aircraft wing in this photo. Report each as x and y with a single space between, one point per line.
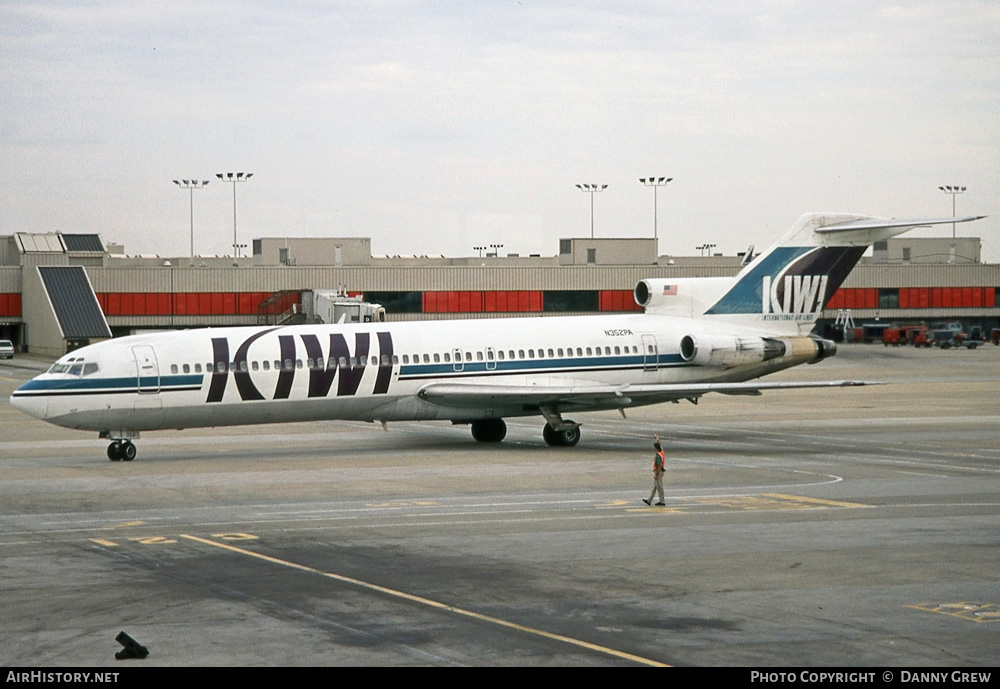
601 396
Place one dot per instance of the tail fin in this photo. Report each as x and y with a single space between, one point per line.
786 287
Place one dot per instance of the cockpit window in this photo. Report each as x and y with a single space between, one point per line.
74 366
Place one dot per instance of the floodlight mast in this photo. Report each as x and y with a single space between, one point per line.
655 182
592 189
234 177
191 185
954 191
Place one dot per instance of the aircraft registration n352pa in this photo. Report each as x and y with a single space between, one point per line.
696 336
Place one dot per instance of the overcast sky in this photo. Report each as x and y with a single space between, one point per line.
433 127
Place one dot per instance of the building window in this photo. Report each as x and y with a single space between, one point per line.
570 300
888 298
591 255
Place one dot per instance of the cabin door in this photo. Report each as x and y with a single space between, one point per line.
147 370
650 359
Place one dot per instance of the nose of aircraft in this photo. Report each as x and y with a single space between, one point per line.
31 405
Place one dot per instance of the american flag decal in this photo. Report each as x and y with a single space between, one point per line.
670 290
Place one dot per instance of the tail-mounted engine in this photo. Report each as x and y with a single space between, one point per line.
734 350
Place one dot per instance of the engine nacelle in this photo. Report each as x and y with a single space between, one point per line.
684 297
824 349
730 350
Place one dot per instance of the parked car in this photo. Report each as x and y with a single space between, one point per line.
6 349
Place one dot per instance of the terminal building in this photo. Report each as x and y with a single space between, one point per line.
61 290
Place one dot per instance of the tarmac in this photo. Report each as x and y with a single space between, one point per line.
843 527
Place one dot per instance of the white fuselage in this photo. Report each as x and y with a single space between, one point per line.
373 372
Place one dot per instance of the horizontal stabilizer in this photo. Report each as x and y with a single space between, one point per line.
882 224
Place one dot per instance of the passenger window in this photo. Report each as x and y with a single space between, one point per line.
298 363
479 356
406 358
618 349
437 358
447 358
266 364
385 360
342 362
220 366
197 368
288 365
187 368
310 363
551 354
531 353
173 368
427 359
500 354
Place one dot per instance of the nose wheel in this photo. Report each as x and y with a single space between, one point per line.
121 450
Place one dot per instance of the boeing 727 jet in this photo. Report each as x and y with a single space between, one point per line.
696 336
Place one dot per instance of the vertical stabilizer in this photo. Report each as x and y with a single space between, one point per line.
786 287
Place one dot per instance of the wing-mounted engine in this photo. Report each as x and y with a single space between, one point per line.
735 350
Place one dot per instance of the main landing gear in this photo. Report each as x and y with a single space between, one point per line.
557 433
566 437
489 430
121 450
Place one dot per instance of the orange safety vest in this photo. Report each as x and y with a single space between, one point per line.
660 460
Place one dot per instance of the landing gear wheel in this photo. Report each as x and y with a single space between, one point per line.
489 430
115 451
565 438
570 436
128 450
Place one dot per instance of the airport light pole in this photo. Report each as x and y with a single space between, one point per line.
191 184
705 247
234 177
954 191
655 182
592 189
480 249
496 249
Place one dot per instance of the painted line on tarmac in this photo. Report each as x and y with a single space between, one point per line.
430 603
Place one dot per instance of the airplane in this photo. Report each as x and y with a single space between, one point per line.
696 336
